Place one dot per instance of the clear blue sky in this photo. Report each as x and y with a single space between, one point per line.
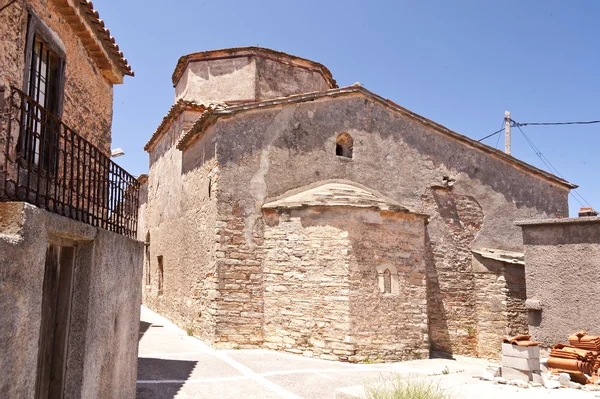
459 63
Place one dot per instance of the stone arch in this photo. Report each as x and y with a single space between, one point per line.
344 145
387 279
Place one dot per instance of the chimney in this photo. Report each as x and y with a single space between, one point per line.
583 212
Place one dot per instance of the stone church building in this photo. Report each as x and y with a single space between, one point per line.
282 211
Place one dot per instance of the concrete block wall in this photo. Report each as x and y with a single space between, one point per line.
520 362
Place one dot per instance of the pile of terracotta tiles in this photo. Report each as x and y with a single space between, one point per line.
580 359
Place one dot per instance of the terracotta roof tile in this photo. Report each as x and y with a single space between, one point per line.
103 34
175 110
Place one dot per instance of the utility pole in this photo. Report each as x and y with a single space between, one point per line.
507 132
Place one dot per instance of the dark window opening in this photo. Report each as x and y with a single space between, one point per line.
387 281
344 145
43 80
148 269
160 275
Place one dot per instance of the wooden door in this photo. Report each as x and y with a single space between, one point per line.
54 330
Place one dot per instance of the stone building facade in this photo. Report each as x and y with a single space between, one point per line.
69 285
253 130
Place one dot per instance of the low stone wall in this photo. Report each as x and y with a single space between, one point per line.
104 324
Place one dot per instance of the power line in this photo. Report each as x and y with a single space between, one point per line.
548 164
490 135
554 123
514 123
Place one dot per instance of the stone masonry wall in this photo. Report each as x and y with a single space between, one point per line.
239 306
180 219
387 326
88 97
499 304
456 220
321 290
268 152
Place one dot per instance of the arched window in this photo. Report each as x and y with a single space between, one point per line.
387 281
344 145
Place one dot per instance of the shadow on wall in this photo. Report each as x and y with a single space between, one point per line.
174 373
144 326
439 337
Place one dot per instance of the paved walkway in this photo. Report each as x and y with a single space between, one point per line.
174 365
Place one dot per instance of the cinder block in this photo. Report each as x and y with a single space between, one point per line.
509 373
521 363
527 352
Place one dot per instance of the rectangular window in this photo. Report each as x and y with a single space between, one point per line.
160 275
43 84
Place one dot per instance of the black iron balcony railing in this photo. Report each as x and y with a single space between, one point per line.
49 165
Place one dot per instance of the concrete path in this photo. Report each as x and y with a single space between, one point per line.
174 365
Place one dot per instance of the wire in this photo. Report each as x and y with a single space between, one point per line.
490 135
548 164
555 123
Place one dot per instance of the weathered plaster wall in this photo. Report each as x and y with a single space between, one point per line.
218 81
562 268
86 91
245 79
102 353
321 289
267 152
275 79
180 217
103 336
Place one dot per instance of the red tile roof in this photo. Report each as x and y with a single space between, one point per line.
81 15
175 110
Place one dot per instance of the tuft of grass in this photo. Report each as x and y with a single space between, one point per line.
190 331
446 370
402 387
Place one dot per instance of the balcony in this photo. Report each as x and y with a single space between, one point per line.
46 163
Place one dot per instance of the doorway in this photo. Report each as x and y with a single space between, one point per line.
56 314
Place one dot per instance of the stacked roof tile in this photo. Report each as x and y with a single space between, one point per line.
580 359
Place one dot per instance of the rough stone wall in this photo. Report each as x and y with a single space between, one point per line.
180 218
321 290
389 327
499 304
86 91
104 326
265 153
562 268
456 220
307 285
240 281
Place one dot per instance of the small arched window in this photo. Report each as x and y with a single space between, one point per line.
387 282
344 145
387 279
